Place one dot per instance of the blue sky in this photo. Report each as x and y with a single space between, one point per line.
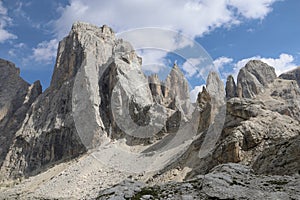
231 31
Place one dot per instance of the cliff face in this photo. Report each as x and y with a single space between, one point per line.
16 96
259 125
292 75
98 92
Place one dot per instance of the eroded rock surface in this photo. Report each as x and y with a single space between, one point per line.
16 96
253 78
231 90
228 181
292 75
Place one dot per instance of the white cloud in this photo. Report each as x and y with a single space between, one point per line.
194 92
45 51
254 9
192 17
190 66
283 63
4 22
3 10
221 61
152 60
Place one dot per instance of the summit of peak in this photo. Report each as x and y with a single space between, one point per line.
84 26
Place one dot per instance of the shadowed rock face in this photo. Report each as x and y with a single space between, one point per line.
292 75
227 181
48 134
231 90
16 96
156 88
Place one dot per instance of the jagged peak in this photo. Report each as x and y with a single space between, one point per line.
231 89
175 66
256 66
254 77
9 67
175 71
84 26
153 78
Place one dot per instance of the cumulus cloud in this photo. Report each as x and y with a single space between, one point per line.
221 61
45 51
190 66
284 63
191 18
4 22
152 60
281 64
254 9
194 92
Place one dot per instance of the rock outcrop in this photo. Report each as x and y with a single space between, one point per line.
228 181
176 85
16 96
205 108
49 134
255 128
156 87
253 78
172 92
98 93
281 158
292 75
231 90
250 130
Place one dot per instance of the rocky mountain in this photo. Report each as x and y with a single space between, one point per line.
104 130
292 75
16 97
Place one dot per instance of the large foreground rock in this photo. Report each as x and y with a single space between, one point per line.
228 181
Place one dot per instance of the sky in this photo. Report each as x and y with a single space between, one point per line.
231 32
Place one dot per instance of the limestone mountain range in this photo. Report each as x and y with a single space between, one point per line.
104 130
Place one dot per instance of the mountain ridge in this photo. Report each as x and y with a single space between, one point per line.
102 121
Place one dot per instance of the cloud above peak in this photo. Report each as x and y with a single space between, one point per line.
285 62
4 22
192 17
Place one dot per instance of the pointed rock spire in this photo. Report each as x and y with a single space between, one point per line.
230 87
292 75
